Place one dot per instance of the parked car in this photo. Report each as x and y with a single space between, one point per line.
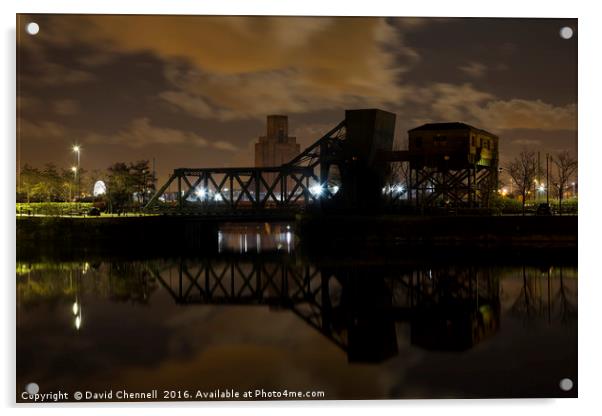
543 209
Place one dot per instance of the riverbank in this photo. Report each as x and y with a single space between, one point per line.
440 231
115 236
317 234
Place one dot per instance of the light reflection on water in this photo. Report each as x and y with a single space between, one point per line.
258 316
256 238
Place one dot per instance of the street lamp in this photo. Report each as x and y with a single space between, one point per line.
77 150
574 192
74 170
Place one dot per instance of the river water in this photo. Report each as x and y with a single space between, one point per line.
260 316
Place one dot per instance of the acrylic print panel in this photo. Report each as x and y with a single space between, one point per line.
310 208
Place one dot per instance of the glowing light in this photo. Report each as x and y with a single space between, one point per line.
78 322
399 188
73 168
316 189
288 241
334 189
99 188
542 188
75 308
201 193
76 148
218 197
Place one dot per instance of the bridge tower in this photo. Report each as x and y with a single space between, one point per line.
362 172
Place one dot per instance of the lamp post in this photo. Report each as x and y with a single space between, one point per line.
74 170
77 150
548 177
574 190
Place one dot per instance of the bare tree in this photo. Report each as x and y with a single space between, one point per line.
523 170
566 166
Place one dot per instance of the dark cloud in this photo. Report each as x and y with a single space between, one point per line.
195 90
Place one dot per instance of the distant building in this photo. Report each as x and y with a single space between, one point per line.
276 147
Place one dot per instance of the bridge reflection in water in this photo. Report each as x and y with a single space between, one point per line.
355 306
147 316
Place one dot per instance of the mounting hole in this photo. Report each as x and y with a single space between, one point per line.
566 32
566 384
32 28
32 388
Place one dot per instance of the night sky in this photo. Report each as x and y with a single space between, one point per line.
194 91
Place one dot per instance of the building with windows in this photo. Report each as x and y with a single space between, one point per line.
276 147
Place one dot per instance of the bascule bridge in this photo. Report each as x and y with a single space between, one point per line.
348 169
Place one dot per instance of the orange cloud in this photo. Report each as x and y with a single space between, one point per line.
141 132
451 102
241 67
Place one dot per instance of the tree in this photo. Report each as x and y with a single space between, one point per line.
523 171
566 166
119 186
28 179
143 180
129 182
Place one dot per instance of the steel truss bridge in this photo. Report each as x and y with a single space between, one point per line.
296 184
346 169
354 308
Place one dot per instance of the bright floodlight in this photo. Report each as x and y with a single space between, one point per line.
73 168
316 189
398 188
218 197
76 148
99 188
78 322
335 189
75 308
201 193
542 188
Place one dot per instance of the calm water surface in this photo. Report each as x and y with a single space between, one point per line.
260 316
